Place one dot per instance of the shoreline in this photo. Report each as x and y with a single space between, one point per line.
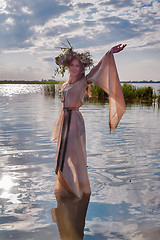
27 82
56 82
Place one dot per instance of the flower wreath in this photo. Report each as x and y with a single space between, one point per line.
64 59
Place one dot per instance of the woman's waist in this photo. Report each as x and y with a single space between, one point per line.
70 109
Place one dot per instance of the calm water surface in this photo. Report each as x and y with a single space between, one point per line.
124 168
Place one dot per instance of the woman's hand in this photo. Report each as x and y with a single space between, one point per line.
118 48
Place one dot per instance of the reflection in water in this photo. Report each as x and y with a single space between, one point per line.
10 90
6 182
70 216
6 185
123 169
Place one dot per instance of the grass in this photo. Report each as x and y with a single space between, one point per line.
28 82
130 92
98 92
49 89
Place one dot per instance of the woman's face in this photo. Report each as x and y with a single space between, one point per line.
75 68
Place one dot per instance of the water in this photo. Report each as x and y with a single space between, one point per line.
124 168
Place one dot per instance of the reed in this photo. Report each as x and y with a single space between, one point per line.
49 89
98 92
158 96
132 93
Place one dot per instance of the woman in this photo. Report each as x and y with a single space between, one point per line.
71 170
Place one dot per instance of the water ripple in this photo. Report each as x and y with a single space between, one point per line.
123 169
16 89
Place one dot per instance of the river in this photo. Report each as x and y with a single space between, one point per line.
123 166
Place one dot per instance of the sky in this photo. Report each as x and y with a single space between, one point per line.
31 31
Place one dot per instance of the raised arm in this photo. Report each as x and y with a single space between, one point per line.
105 75
118 48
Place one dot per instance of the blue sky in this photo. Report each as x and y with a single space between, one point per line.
32 29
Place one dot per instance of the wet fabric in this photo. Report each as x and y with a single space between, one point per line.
73 176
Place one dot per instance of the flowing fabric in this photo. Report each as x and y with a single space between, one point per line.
105 76
72 175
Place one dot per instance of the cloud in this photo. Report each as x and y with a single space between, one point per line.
48 59
38 12
84 5
47 10
33 22
14 36
40 26
25 16
118 4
